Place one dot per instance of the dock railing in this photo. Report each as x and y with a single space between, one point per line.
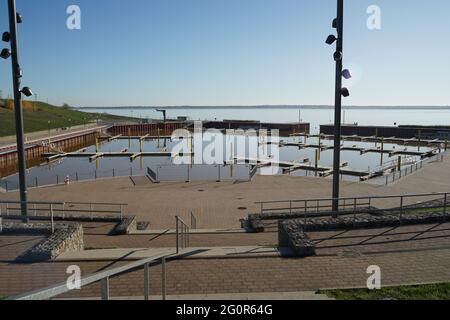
40 210
103 277
395 204
182 234
193 221
11 184
406 171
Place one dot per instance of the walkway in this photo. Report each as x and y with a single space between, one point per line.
221 205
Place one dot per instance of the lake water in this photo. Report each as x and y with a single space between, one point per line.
315 117
83 169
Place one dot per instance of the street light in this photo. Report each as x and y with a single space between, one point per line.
338 24
11 37
5 54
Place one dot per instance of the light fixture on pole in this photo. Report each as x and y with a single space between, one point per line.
11 37
338 24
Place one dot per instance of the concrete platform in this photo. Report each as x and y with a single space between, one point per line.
200 253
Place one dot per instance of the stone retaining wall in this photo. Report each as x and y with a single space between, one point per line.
293 237
292 233
66 238
126 225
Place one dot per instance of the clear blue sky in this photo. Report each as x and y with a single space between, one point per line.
230 52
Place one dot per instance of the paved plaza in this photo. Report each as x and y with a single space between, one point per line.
406 255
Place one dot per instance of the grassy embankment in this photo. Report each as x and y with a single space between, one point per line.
420 292
39 116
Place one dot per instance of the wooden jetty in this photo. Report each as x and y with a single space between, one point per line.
96 155
291 166
141 138
361 150
377 139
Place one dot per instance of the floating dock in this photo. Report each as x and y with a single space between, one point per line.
291 166
400 132
96 155
361 150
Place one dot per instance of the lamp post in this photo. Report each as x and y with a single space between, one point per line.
11 36
338 24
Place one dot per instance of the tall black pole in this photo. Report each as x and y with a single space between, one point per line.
16 73
338 104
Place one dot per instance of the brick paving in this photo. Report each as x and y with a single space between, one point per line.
244 275
221 205
406 255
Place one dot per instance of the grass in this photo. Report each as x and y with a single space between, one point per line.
419 292
427 210
38 114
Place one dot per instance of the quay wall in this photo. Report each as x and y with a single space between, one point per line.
403 132
284 128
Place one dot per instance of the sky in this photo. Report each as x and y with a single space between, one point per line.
230 52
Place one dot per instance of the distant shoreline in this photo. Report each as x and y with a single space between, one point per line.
272 107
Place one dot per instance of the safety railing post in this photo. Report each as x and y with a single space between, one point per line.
290 206
401 209
306 209
445 207
177 234
105 288
146 282
163 278
51 219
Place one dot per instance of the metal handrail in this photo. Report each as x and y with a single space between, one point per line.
30 202
60 207
193 221
358 198
182 233
102 277
398 174
344 203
